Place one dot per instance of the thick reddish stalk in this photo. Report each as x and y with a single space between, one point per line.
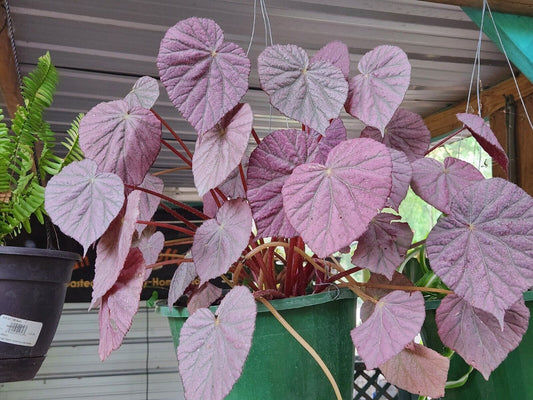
215 197
168 226
444 141
179 216
256 138
243 180
169 262
182 144
176 152
343 274
290 267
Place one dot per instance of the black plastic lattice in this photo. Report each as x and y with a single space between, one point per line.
369 386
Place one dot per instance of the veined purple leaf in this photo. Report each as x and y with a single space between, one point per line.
378 90
395 321
438 183
204 297
144 93
401 178
485 137
489 226
83 202
219 242
151 245
383 247
213 348
418 370
182 278
377 293
476 335
271 163
405 132
149 203
312 93
220 149
331 205
205 77
210 207
335 133
121 139
114 247
337 54
120 304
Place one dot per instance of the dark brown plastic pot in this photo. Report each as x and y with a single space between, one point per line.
33 283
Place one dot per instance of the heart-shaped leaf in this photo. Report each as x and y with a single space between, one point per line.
395 321
476 335
489 226
438 183
83 202
378 90
335 133
405 132
120 304
219 242
213 348
182 278
205 77
148 202
144 93
418 370
337 54
151 246
331 205
312 93
219 150
204 297
485 137
271 163
378 292
121 139
401 178
383 247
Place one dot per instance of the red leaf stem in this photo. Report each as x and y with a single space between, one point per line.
168 226
444 141
176 152
220 193
343 274
185 148
178 216
289 267
256 138
215 197
243 180
169 262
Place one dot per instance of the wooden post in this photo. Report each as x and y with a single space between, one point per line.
9 84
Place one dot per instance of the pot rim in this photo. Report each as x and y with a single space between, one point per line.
30 251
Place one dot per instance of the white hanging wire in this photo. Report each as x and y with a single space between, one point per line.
268 35
253 29
476 66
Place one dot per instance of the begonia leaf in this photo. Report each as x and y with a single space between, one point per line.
481 131
218 242
335 133
219 150
438 183
489 226
213 348
205 77
271 163
382 248
182 278
121 139
378 90
337 54
207 294
210 207
144 93
378 279
83 202
405 132
395 321
120 304
151 246
312 93
401 178
476 335
418 370
331 205
149 203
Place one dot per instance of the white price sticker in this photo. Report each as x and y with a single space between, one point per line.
19 331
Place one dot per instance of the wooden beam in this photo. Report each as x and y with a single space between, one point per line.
9 84
518 7
492 99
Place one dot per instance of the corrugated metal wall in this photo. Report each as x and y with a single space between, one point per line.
73 370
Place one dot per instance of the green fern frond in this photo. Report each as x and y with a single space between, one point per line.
72 142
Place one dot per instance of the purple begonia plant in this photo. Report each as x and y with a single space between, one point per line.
300 197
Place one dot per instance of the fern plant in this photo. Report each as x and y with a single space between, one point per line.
24 169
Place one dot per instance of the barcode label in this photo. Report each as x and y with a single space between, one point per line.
19 331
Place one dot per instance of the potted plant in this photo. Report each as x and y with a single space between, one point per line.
32 280
273 223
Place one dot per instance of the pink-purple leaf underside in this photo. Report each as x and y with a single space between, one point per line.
438 183
271 163
219 150
377 293
121 139
401 178
405 132
204 297
485 137
182 278
418 370
379 89
210 207
205 77
149 203
483 250
114 247
312 93
218 242
83 202
120 304
395 321
213 348
337 54
331 205
144 93
335 133
382 248
476 335
151 245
